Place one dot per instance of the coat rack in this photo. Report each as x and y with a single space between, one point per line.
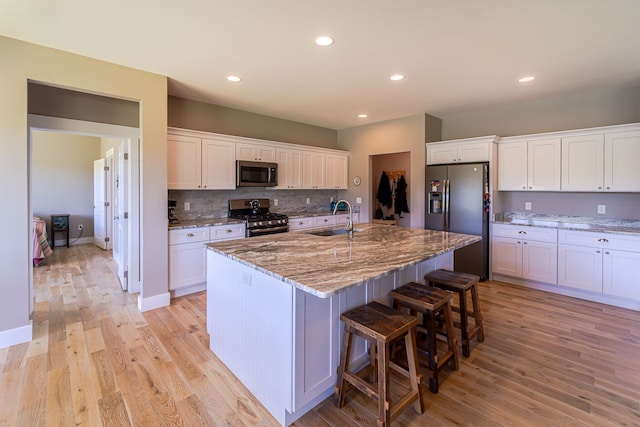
396 174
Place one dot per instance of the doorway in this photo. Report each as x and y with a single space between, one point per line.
129 267
395 166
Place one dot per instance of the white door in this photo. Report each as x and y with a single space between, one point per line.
100 202
120 214
108 158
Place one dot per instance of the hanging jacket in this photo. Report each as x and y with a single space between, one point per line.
384 191
401 197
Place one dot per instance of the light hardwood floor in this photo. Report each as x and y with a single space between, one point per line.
547 360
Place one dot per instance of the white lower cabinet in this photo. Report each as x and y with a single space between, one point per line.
525 252
187 255
311 222
599 262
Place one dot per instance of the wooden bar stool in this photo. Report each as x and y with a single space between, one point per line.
431 302
461 283
380 325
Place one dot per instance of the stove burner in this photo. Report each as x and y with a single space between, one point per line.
257 218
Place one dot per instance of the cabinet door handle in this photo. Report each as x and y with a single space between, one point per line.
524 243
229 230
599 188
190 235
524 187
606 252
522 232
608 188
598 251
603 240
519 242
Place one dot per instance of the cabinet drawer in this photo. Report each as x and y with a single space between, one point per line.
300 223
227 232
525 232
188 235
600 240
324 221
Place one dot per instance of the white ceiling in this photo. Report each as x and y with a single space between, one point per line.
456 54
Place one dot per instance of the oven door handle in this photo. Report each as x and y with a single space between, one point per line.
268 230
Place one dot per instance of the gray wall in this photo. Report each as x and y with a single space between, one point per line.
70 104
187 114
406 134
62 171
590 108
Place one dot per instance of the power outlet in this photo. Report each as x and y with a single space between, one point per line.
358 200
527 206
275 202
602 209
308 200
187 206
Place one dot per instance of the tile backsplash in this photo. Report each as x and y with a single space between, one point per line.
206 204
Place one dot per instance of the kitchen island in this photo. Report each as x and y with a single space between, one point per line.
274 303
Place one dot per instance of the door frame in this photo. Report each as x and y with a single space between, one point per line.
56 124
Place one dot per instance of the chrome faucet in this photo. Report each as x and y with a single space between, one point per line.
349 226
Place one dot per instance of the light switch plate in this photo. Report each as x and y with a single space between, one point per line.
275 202
308 200
602 209
527 206
359 200
187 206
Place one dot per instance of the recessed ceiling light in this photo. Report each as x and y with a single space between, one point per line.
397 77
526 79
362 116
324 41
233 78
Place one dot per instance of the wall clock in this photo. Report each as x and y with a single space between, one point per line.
356 180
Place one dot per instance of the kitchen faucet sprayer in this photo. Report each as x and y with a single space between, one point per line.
349 226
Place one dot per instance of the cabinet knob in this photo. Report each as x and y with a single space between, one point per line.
524 243
519 242
599 188
229 230
530 188
190 235
608 188
524 187
522 232
598 251
606 252
603 240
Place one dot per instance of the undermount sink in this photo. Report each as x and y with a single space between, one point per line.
332 231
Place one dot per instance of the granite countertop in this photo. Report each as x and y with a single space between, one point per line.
597 225
204 223
326 265
293 215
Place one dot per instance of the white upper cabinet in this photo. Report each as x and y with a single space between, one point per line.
583 163
289 168
255 152
621 156
460 151
529 165
543 165
207 161
512 166
314 170
200 163
184 154
218 165
337 169
601 162
593 160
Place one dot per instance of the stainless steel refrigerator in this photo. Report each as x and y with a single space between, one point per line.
458 201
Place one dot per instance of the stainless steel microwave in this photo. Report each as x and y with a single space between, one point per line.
256 174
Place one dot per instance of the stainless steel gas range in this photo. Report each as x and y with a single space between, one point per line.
258 220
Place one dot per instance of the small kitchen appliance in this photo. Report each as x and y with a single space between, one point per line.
172 215
258 220
256 174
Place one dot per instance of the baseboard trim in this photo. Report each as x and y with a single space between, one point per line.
16 336
156 301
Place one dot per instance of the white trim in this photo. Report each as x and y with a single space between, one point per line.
16 336
156 301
